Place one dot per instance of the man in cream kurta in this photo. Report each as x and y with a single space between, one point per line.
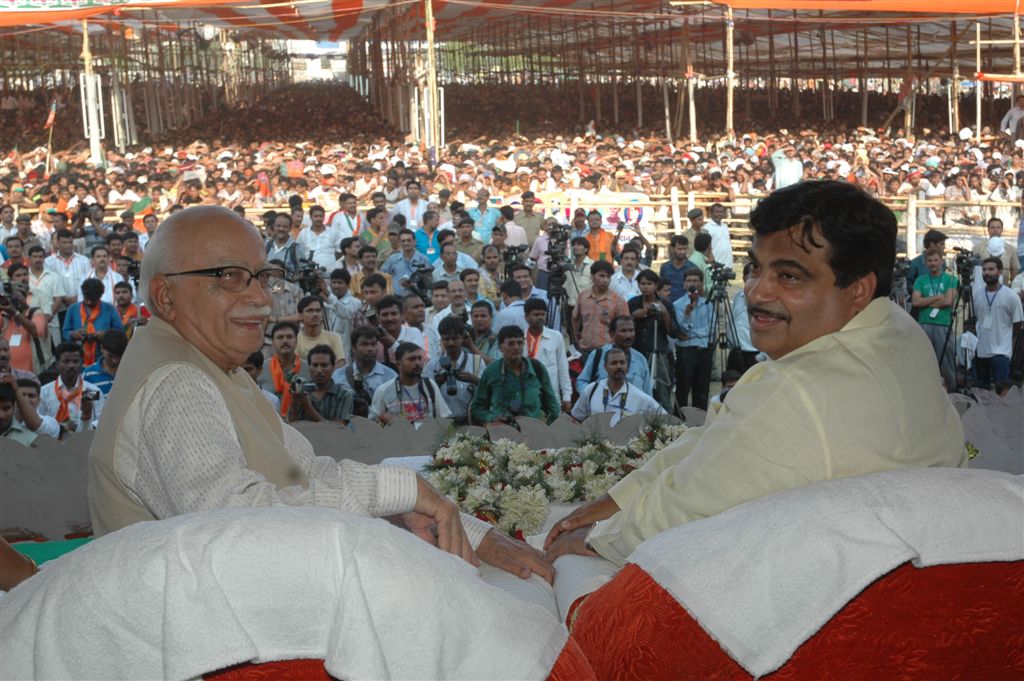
850 387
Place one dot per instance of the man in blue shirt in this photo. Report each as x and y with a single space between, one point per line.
485 216
364 374
402 265
85 322
427 237
638 375
693 352
102 373
675 268
512 313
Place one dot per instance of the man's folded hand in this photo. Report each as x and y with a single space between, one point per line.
514 556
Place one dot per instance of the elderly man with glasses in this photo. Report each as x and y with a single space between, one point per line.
190 431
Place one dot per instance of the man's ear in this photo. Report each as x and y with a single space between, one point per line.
161 298
863 290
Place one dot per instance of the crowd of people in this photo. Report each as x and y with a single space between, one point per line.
461 288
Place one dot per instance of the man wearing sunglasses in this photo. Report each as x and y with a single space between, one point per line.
192 432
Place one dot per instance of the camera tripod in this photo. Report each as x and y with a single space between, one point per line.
725 338
558 300
964 299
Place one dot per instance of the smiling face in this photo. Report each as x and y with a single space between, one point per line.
792 297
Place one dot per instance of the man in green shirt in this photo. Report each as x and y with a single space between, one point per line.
513 386
933 298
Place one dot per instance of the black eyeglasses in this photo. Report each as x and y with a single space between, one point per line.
234 278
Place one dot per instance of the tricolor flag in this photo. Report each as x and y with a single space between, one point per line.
53 114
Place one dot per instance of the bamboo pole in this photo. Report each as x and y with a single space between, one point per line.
862 82
692 111
954 85
910 83
977 83
794 83
434 96
773 91
729 75
91 100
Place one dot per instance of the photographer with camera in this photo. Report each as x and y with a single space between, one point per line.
410 396
284 366
655 327
513 386
369 262
73 401
321 399
283 247
100 261
457 371
85 322
614 393
132 315
694 352
406 265
364 374
24 328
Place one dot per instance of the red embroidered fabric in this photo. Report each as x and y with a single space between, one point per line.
571 665
962 621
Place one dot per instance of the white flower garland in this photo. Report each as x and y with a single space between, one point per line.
509 485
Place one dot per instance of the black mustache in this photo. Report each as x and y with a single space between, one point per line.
755 310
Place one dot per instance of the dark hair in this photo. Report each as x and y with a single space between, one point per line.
284 325
114 341
438 285
444 235
255 359
679 240
693 272
413 182
374 212
933 236
859 232
98 247
363 251
467 272
342 274
7 393
388 302
92 288
64 234
612 351
376 279
512 289
510 331
648 275
702 242
629 248
451 326
507 212
602 266
29 383
36 247
482 304
321 349
67 347
527 195
613 325
580 241
307 301
517 267
316 209
14 269
404 349
346 242
402 232
534 304
995 261
364 331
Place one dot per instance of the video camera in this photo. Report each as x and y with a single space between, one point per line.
964 262
309 275
558 258
721 273
420 281
446 376
901 268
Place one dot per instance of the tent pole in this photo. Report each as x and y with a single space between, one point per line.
794 86
435 121
909 81
977 82
91 100
954 85
729 72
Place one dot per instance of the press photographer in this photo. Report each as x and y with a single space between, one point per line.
512 387
24 328
320 399
364 374
457 372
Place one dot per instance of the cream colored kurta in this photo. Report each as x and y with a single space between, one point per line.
864 399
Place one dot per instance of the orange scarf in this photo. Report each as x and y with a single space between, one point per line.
531 348
65 398
282 382
89 324
129 314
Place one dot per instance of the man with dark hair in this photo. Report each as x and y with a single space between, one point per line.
389 327
623 332
281 246
343 308
73 401
364 374
614 393
702 257
313 333
253 365
513 311
368 262
823 255
456 371
932 297
595 307
71 267
86 321
655 325
285 365
131 314
27 423
547 347
694 354
410 396
322 399
413 206
320 241
402 265
514 386
530 221
674 269
481 316
1000 317
346 219
99 258
918 267
101 374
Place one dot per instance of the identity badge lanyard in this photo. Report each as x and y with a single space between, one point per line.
987 324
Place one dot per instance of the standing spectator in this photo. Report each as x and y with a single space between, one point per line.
490 276
283 247
653 318
624 282
1010 124
457 305
103 372
456 371
313 332
614 393
347 219
932 238
696 218
319 241
547 347
623 334
602 242
322 399
343 308
410 396
484 339
511 387
721 246
485 217
447 269
364 374
413 206
744 354
71 267
693 352
1000 316
789 169
995 247
673 271
284 366
513 311
515 234
22 328
402 265
530 221
577 276
86 321
933 298
369 262
75 403
132 315
466 242
595 308
428 235
100 261
702 257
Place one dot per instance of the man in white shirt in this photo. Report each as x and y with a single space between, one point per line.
411 396
100 259
46 289
624 280
744 354
721 247
346 220
457 305
319 240
512 312
1011 121
1000 315
73 268
613 394
515 235
415 330
547 347
75 403
412 206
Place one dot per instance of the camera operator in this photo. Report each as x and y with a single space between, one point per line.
457 371
321 399
364 374
578 273
402 266
284 365
655 326
694 355
743 355
1000 316
410 396
512 387
85 322
539 252
484 340
285 296
24 328
73 401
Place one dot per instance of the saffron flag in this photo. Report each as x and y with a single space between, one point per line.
53 115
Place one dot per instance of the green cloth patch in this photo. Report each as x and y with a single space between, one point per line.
45 551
